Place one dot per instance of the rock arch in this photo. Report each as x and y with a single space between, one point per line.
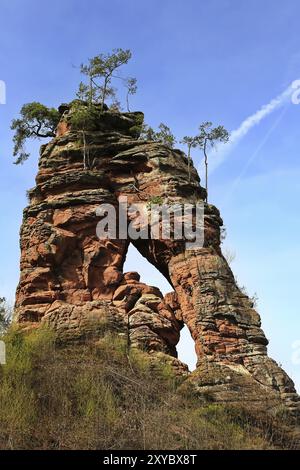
75 281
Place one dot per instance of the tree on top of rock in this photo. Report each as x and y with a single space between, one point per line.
163 135
191 142
208 137
83 118
131 85
36 121
100 71
39 121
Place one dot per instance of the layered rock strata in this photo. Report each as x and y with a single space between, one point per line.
74 281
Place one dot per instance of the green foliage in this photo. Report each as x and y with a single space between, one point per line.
191 142
18 406
155 200
83 117
116 106
137 129
100 72
131 85
147 132
36 121
163 135
99 396
93 94
209 136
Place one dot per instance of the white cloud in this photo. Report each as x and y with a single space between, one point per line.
222 150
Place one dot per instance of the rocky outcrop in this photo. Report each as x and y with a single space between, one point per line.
73 280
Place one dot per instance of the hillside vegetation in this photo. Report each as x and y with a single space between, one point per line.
97 396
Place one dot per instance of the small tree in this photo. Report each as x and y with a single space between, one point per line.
100 70
83 118
116 106
36 121
147 132
131 85
164 135
191 142
208 137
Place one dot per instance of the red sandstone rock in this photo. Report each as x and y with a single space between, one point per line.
74 281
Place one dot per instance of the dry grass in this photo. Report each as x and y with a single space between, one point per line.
94 397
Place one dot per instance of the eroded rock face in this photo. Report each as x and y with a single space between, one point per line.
75 282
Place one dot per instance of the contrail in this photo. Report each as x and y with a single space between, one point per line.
248 162
221 151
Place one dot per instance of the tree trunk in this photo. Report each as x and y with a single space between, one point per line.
85 157
91 91
104 93
127 101
189 163
206 170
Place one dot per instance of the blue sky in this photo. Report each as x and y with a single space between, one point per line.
219 60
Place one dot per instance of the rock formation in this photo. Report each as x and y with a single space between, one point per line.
75 282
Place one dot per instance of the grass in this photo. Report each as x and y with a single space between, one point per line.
96 396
